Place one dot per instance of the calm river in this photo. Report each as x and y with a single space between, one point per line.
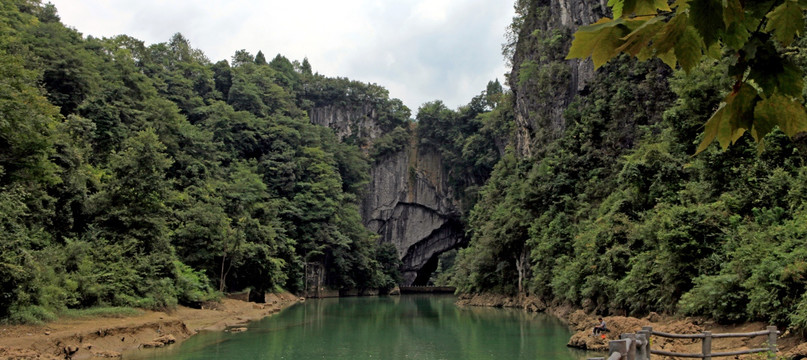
396 327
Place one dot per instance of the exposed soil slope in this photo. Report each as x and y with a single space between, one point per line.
791 346
109 337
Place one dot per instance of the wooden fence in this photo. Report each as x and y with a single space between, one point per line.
637 346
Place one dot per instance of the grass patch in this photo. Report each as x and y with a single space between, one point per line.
34 315
102 311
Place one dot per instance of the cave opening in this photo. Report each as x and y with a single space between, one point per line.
425 273
432 273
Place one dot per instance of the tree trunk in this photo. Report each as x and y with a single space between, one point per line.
521 268
222 275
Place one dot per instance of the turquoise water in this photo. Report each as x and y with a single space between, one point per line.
401 327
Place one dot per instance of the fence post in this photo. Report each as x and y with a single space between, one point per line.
706 345
620 346
772 335
631 345
642 352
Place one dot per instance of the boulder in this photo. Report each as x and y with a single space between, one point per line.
798 352
166 339
107 354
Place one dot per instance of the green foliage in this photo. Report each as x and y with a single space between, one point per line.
470 140
615 213
101 311
767 89
499 223
26 124
147 176
390 143
192 286
320 91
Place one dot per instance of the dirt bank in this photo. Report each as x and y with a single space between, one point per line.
109 337
581 323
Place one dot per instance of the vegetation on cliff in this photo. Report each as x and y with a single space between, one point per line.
615 214
145 176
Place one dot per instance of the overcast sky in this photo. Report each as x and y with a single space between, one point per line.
420 50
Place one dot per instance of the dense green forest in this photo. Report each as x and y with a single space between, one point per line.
616 215
134 175
150 176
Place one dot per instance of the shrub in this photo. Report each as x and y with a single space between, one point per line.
192 286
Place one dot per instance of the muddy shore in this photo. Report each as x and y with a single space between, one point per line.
96 338
791 346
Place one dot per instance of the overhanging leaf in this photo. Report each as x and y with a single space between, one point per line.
640 37
689 49
649 7
681 5
710 129
781 111
672 31
732 11
732 119
791 80
785 21
775 73
599 41
707 18
736 35
668 58
765 114
616 7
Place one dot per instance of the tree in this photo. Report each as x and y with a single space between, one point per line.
223 77
25 125
132 201
752 35
306 67
260 58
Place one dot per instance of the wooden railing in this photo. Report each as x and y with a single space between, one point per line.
637 346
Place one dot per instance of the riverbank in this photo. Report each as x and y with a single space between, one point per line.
790 346
98 337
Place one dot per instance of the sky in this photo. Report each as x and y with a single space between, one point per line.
420 50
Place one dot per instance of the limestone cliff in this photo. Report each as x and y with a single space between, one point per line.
543 82
411 206
348 121
408 201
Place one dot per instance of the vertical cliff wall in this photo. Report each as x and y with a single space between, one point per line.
543 82
408 200
411 205
348 121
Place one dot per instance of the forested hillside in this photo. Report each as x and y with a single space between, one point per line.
150 176
135 175
607 209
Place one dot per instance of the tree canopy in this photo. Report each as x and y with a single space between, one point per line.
147 175
753 37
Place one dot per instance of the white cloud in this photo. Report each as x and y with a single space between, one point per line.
420 50
432 10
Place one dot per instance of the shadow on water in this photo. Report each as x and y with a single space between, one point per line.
406 327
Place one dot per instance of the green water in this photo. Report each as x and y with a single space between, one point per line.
405 327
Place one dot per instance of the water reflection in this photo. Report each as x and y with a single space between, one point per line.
406 327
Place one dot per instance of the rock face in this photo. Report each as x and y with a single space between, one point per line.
543 82
348 121
408 201
411 206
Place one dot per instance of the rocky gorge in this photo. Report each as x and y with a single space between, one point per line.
408 200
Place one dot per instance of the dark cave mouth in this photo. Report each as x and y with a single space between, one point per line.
424 274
